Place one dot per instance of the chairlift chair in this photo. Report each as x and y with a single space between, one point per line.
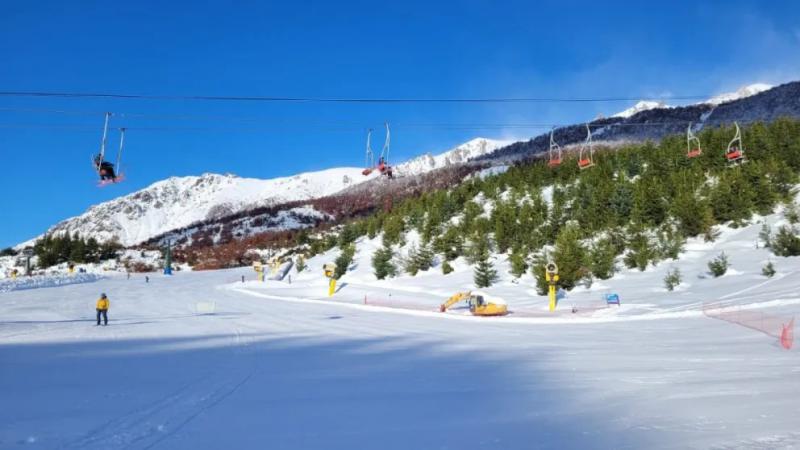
555 151
586 155
734 154
370 158
692 151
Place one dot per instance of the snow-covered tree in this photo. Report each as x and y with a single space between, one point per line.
382 262
484 274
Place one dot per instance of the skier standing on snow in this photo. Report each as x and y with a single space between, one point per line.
102 308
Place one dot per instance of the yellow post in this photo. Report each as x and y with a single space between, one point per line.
329 269
331 287
551 275
259 268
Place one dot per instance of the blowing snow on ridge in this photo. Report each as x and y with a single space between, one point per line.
742 92
460 154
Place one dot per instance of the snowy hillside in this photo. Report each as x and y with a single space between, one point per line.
180 201
742 92
204 360
460 154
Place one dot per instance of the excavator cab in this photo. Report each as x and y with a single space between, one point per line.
476 301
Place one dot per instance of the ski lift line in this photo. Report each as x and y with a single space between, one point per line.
281 99
305 121
344 129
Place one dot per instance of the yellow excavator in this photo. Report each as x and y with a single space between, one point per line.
479 303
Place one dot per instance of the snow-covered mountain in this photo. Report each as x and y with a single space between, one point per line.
742 92
180 201
460 154
643 105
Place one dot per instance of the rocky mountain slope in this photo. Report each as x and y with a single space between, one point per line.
180 201
178 208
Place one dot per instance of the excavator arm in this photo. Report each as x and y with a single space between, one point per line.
454 299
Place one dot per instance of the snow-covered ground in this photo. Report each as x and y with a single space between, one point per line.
280 365
44 281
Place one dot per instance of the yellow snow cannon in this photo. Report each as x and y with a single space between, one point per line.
480 304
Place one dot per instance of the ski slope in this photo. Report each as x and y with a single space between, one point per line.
279 365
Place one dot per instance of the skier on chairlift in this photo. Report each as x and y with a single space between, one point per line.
383 168
104 168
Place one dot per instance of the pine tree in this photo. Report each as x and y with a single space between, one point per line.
504 218
570 256
670 241
344 260
791 213
602 258
786 242
300 263
768 270
672 279
649 201
518 261
719 265
765 235
446 267
78 252
423 258
393 228
538 272
450 244
410 261
347 235
641 250
485 274
693 214
382 263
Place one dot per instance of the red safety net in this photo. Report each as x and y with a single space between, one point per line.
779 327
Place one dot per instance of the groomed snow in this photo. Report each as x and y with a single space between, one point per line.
202 360
44 281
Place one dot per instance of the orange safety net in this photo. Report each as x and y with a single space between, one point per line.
779 327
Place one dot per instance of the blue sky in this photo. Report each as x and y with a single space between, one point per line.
338 49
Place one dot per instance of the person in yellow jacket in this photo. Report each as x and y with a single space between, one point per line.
102 308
